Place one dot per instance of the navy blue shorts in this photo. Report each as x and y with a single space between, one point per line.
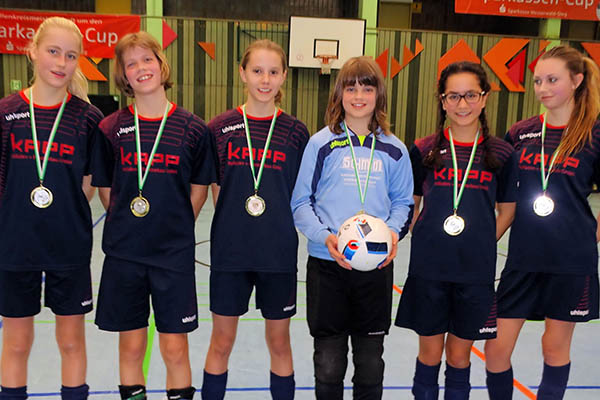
66 292
465 310
275 293
347 302
125 292
539 295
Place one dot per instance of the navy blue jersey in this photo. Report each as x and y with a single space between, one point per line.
239 241
471 256
165 236
60 236
563 242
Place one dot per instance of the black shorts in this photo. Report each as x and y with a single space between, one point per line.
125 291
465 310
539 295
347 302
66 292
275 293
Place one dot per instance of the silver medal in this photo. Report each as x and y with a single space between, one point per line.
543 206
454 225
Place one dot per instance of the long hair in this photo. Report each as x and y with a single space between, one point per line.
433 159
586 98
146 41
365 71
267 45
78 84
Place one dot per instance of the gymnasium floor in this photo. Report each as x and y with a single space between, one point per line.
248 376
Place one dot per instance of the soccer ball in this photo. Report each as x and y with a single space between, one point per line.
365 241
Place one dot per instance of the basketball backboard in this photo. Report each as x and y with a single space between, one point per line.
337 39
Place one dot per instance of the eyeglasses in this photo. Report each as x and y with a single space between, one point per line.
454 98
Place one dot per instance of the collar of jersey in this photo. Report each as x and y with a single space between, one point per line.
22 93
457 143
141 117
270 117
551 126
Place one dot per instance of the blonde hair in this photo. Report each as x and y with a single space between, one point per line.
146 41
587 99
78 84
365 71
267 45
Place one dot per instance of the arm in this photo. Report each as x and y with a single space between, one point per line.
416 211
198 195
504 217
214 190
104 195
87 187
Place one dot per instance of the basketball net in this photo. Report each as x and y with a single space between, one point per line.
325 61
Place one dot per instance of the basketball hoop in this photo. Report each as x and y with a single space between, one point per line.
325 60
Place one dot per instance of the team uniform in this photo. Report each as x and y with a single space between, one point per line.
249 251
340 302
450 284
56 240
543 278
152 254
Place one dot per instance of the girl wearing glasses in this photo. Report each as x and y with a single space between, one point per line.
551 272
461 173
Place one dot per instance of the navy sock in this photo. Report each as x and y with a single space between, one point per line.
457 386
554 382
132 392
74 393
181 394
213 386
19 393
425 381
500 385
282 387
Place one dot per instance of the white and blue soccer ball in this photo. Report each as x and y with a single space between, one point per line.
365 241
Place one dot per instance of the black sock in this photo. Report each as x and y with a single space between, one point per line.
183 394
132 392
19 393
74 393
282 387
213 386
554 382
500 385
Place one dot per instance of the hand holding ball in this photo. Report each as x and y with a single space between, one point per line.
365 241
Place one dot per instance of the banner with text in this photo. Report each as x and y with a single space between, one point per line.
100 32
562 9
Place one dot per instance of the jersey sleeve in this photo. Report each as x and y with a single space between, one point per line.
93 118
401 189
203 166
103 158
508 178
418 170
305 218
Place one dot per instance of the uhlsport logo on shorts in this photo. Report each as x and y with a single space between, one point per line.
488 329
289 308
579 313
187 320
86 303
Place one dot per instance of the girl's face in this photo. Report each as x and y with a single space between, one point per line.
142 70
359 102
56 57
263 76
463 101
553 84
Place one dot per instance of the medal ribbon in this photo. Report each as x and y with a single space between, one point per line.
265 149
456 197
138 147
361 193
41 169
546 177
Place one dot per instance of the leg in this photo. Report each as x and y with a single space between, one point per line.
175 354
17 339
458 365
556 348
224 330
132 348
277 335
425 381
70 337
330 360
367 352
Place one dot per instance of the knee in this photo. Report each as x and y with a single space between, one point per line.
554 352
279 346
71 346
18 347
174 350
368 361
457 359
494 351
222 344
132 352
330 360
